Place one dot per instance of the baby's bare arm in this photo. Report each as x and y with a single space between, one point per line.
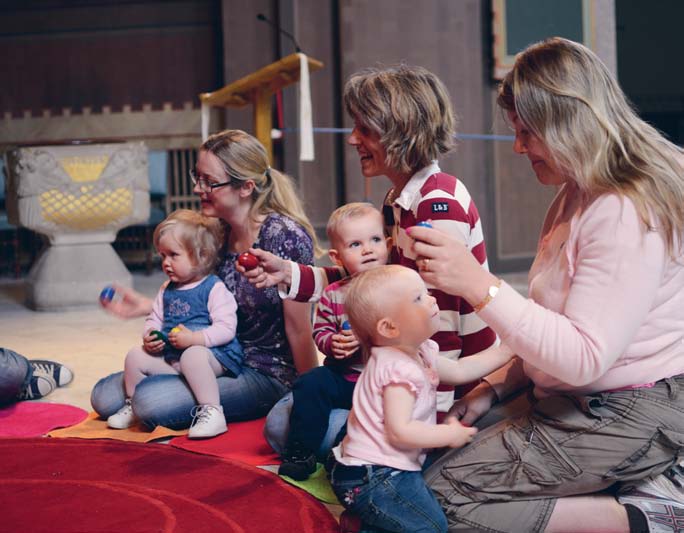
473 367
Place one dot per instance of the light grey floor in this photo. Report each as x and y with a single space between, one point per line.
90 341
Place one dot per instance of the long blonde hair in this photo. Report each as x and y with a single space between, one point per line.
245 158
567 97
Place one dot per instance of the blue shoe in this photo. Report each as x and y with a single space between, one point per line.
39 386
60 374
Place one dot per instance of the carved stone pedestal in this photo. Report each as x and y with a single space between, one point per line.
79 196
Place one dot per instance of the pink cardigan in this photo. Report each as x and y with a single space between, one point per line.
606 303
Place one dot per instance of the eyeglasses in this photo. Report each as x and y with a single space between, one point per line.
204 184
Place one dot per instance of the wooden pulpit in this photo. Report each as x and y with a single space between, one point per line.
257 89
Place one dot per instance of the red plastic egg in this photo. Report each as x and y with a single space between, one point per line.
248 261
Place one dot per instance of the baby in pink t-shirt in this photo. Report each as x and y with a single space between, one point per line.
392 420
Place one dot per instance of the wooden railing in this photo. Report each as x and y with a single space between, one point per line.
179 194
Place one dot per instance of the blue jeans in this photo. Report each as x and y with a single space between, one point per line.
166 400
316 393
15 374
387 499
278 426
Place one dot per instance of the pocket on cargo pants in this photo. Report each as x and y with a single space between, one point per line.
518 459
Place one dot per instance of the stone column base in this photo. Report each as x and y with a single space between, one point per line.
70 276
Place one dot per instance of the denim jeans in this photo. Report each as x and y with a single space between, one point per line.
387 499
15 374
278 426
166 400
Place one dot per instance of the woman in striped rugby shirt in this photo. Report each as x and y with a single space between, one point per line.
403 122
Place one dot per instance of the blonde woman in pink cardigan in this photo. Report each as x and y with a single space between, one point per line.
597 439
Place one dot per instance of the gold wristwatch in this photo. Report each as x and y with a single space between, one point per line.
491 293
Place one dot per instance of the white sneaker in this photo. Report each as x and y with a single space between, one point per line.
660 499
123 418
208 421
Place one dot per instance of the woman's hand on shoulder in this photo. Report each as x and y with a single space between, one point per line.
474 404
127 303
270 271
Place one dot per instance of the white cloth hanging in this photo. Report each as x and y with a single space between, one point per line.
306 142
205 114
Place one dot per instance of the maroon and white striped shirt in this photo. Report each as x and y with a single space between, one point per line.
330 317
444 200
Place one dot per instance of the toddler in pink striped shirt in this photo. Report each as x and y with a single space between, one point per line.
358 244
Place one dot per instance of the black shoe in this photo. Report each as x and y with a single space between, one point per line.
62 375
298 464
39 386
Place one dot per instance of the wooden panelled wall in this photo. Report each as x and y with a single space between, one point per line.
150 58
95 54
451 38
94 69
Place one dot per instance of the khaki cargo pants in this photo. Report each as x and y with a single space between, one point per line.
509 477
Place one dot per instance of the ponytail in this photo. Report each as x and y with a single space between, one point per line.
245 158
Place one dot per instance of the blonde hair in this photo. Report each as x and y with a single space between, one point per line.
346 212
245 158
200 236
409 107
566 96
363 305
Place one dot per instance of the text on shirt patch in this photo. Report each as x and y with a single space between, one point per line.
440 207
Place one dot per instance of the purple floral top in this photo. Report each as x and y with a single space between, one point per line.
261 323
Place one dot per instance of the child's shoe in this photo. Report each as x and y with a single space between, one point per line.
298 463
660 499
208 421
123 418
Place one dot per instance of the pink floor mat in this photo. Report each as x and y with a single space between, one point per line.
34 419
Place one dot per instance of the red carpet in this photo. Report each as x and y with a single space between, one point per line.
33 419
243 442
75 485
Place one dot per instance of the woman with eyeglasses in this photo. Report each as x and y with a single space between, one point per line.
260 209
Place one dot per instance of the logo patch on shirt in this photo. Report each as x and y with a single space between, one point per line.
440 207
